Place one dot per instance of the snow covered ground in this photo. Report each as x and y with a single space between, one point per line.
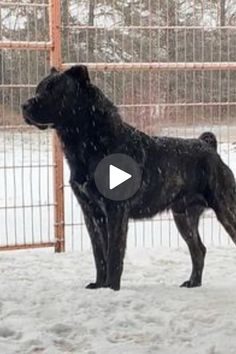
45 309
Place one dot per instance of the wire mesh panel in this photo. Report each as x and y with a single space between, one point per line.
170 67
26 181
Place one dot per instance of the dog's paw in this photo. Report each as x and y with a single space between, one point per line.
114 286
93 286
190 284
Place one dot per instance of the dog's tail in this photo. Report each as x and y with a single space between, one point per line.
209 138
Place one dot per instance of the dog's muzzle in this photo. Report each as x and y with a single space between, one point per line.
26 107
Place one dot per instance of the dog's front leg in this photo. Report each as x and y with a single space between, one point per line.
117 235
96 225
97 232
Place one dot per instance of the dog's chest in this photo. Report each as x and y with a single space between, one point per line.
83 191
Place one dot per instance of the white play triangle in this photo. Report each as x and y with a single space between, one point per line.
117 176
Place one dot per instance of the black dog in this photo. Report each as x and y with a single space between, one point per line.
183 175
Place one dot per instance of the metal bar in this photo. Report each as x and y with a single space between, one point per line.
27 246
25 166
25 45
143 27
162 217
20 126
181 104
164 66
17 86
18 4
55 59
25 206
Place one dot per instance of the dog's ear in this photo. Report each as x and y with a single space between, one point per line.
53 70
79 73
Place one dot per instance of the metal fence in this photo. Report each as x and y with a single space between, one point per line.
169 66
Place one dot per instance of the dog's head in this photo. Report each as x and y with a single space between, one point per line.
57 97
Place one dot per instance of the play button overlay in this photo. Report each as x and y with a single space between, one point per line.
117 177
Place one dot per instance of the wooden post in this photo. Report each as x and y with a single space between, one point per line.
56 61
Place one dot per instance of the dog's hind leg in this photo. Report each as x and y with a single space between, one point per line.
224 200
226 214
187 224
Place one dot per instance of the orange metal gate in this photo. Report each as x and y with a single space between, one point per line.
53 47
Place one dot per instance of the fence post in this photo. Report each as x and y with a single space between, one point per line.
56 61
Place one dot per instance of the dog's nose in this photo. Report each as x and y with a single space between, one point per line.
25 105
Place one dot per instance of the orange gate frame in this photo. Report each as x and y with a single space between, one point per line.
56 61
54 48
